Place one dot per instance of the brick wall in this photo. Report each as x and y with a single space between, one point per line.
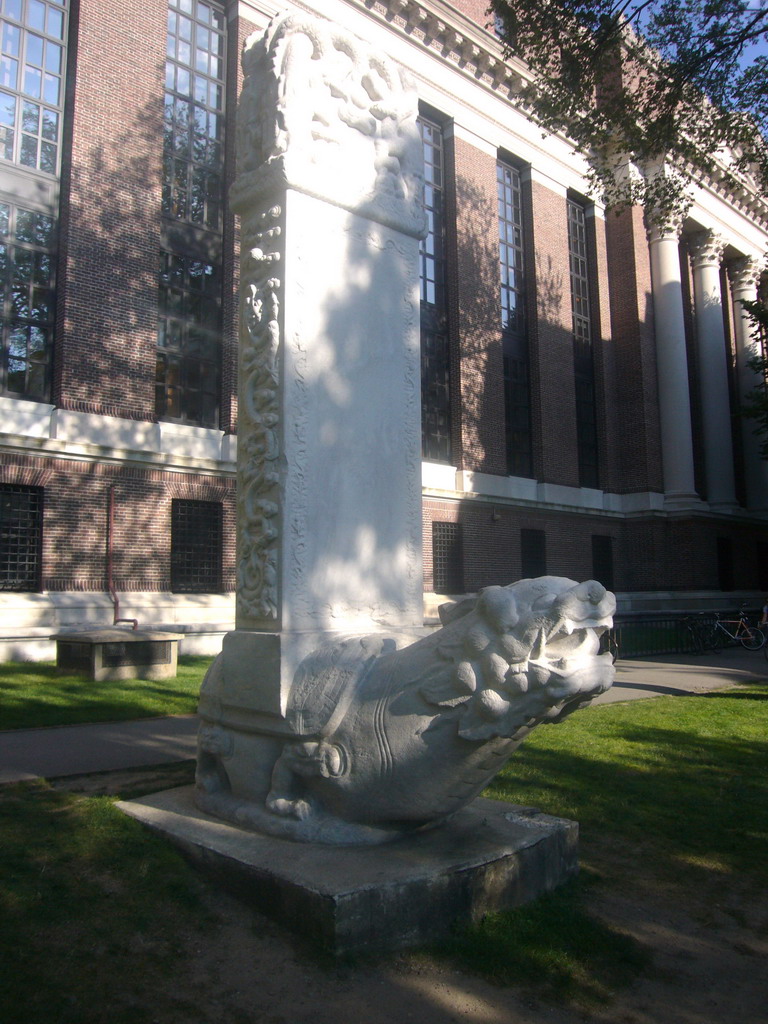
110 210
637 438
553 395
649 553
76 513
477 10
481 371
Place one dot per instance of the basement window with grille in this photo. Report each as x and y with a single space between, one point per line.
602 560
21 536
196 542
447 558
533 553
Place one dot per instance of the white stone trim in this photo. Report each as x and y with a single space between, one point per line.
524 491
193 442
52 609
541 177
25 419
38 428
436 476
258 11
105 431
459 131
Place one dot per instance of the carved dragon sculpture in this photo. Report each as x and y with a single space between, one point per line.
387 740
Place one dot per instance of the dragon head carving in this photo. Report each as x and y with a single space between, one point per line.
521 654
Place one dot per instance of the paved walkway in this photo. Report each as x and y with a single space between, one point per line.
76 750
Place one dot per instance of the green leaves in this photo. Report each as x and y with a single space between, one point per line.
646 83
755 404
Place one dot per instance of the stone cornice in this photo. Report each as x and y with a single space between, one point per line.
743 198
455 38
478 53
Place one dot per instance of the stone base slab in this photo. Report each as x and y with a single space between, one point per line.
490 856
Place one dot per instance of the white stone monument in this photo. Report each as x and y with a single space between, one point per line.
329 515
329 717
307 733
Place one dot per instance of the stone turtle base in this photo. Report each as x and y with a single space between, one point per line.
491 856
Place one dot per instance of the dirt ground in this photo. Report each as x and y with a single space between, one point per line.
708 946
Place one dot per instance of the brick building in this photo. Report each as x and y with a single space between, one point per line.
581 375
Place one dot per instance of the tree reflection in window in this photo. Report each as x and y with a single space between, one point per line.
194 113
26 280
187 379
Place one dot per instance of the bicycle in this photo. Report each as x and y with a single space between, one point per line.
696 630
750 637
609 643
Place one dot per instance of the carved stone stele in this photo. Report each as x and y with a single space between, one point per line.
325 125
324 113
321 720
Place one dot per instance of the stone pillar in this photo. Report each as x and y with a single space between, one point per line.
329 485
745 275
706 253
672 365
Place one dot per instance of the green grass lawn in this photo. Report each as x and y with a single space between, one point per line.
688 775
91 909
677 784
35 694
675 787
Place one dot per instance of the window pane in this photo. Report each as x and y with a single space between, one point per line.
583 362
13 9
34 49
9 73
435 360
38 77
11 40
6 143
196 131
53 58
55 23
17 344
33 81
30 117
52 89
7 109
36 14
196 545
50 128
188 339
512 307
26 300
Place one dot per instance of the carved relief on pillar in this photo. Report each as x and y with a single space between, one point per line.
664 224
745 274
706 249
259 415
325 114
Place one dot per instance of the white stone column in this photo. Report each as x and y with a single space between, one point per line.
672 365
745 275
706 253
329 463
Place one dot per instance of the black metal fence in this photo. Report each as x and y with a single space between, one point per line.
640 635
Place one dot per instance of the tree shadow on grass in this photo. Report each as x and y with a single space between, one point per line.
680 793
553 945
735 695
